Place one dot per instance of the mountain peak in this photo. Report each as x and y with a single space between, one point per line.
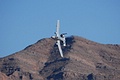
83 60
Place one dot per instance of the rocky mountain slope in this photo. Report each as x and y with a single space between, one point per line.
83 60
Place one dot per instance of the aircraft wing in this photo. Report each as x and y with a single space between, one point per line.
57 30
59 47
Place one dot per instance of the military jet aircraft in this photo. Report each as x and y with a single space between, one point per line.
59 37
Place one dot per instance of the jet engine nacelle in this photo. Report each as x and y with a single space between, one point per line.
63 38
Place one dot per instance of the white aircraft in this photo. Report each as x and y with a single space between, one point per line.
59 37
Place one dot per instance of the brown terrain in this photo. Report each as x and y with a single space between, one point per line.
83 60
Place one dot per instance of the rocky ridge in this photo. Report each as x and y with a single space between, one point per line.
83 60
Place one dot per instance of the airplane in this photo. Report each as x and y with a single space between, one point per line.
59 37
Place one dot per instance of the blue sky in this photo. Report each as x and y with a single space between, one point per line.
23 22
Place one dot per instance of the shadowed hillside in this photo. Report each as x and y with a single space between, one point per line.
83 60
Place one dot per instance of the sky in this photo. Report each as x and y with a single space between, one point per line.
24 22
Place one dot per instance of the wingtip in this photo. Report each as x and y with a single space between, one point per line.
58 21
62 56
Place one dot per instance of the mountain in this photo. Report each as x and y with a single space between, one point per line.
83 60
